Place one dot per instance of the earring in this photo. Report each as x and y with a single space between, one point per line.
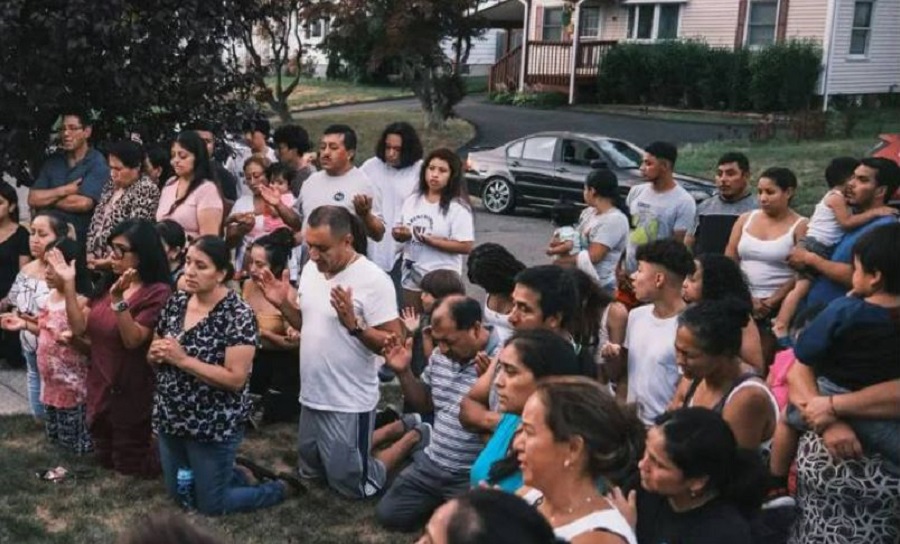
566 463
693 494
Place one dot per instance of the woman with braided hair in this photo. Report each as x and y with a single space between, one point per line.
493 268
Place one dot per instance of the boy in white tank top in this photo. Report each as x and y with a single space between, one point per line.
831 218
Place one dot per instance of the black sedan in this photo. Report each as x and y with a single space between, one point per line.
540 169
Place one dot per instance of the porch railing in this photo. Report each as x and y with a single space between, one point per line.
505 72
549 63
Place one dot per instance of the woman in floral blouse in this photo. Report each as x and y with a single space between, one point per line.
204 345
127 195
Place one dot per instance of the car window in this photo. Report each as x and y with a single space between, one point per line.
540 148
622 154
515 150
578 152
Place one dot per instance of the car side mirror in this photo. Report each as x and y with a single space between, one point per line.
598 164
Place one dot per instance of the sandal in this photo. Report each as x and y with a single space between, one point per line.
293 481
258 471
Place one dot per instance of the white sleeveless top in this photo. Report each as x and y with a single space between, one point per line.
499 321
609 520
764 262
823 225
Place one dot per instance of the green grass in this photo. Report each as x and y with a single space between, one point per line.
667 114
369 124
98 504
319 93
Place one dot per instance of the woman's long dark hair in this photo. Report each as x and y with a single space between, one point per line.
722 278
587 320
278 245
605 184
410 148
455 189
193 144
700 443
9 194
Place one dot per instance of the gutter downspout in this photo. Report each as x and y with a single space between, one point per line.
525 28
831 19
576 41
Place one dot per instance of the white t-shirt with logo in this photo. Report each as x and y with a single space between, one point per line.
395 186
321 189
656 216
457 224
338 373
652 370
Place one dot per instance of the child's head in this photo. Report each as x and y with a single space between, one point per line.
173 239
564 213
493 268
272 251
840 170
46 227
9 202
662 265
876 261
280 176
438 284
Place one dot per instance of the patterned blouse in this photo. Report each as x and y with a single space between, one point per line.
138 201
184 405
29 296
63 369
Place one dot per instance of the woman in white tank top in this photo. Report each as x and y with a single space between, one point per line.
575 440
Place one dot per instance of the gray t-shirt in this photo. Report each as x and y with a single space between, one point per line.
610 229
714 220
656 216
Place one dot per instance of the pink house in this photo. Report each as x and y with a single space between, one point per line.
860 39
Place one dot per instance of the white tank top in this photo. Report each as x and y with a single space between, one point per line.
610 520
823 225
499 321
764 262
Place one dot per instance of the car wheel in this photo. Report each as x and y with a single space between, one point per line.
497 196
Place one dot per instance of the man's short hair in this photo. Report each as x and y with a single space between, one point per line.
840 170
336 218
344 130
259 124
465 311
735 157
663 150
81 113
293 136
557 289
879 251
669 254
887 174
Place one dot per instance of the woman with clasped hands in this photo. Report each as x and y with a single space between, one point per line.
204 347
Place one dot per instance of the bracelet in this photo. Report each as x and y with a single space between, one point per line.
831 405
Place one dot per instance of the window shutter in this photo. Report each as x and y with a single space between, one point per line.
741 24
539 23
781 25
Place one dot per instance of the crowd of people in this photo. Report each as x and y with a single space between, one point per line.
654 382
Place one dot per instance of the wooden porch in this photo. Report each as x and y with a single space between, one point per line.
549 64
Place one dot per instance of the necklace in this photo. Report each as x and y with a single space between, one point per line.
570 510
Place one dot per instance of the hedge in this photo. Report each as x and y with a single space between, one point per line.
691 74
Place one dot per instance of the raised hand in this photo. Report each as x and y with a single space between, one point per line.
269 194
482 362
362 204
342 302
410 318
65 271
397 353
276 291
126 280
626 505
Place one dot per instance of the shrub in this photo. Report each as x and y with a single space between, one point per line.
540 99
691 74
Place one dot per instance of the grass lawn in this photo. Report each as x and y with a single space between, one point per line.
369 124
642 112
98 504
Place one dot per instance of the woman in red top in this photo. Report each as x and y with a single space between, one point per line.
119 327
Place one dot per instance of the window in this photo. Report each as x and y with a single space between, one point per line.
514 151
553 27
653 21
539 149
862 27
622 154
761 22
578 152
590 23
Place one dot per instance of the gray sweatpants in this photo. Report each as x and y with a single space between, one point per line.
417 492
338 447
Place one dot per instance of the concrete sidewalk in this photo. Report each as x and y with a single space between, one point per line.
13 392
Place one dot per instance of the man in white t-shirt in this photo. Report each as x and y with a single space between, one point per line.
660 209
344 311
649 348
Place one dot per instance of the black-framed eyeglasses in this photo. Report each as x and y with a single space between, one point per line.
119 251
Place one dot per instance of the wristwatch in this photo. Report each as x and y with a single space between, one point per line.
119 307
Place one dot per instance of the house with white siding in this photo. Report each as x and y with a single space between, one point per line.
860 39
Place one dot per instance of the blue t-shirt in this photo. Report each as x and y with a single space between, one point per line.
496 449
94 173
823 289
852 343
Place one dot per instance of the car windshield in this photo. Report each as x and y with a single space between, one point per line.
622 154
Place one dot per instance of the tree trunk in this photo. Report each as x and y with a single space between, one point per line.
282 109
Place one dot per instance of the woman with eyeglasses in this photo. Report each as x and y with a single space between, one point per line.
118 329
128 195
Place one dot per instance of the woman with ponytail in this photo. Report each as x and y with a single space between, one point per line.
697 484
574 440
707 348
604 228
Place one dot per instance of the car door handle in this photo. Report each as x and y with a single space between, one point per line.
514 163
562 170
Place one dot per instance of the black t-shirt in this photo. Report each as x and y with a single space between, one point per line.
10 251
226 182
716 522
